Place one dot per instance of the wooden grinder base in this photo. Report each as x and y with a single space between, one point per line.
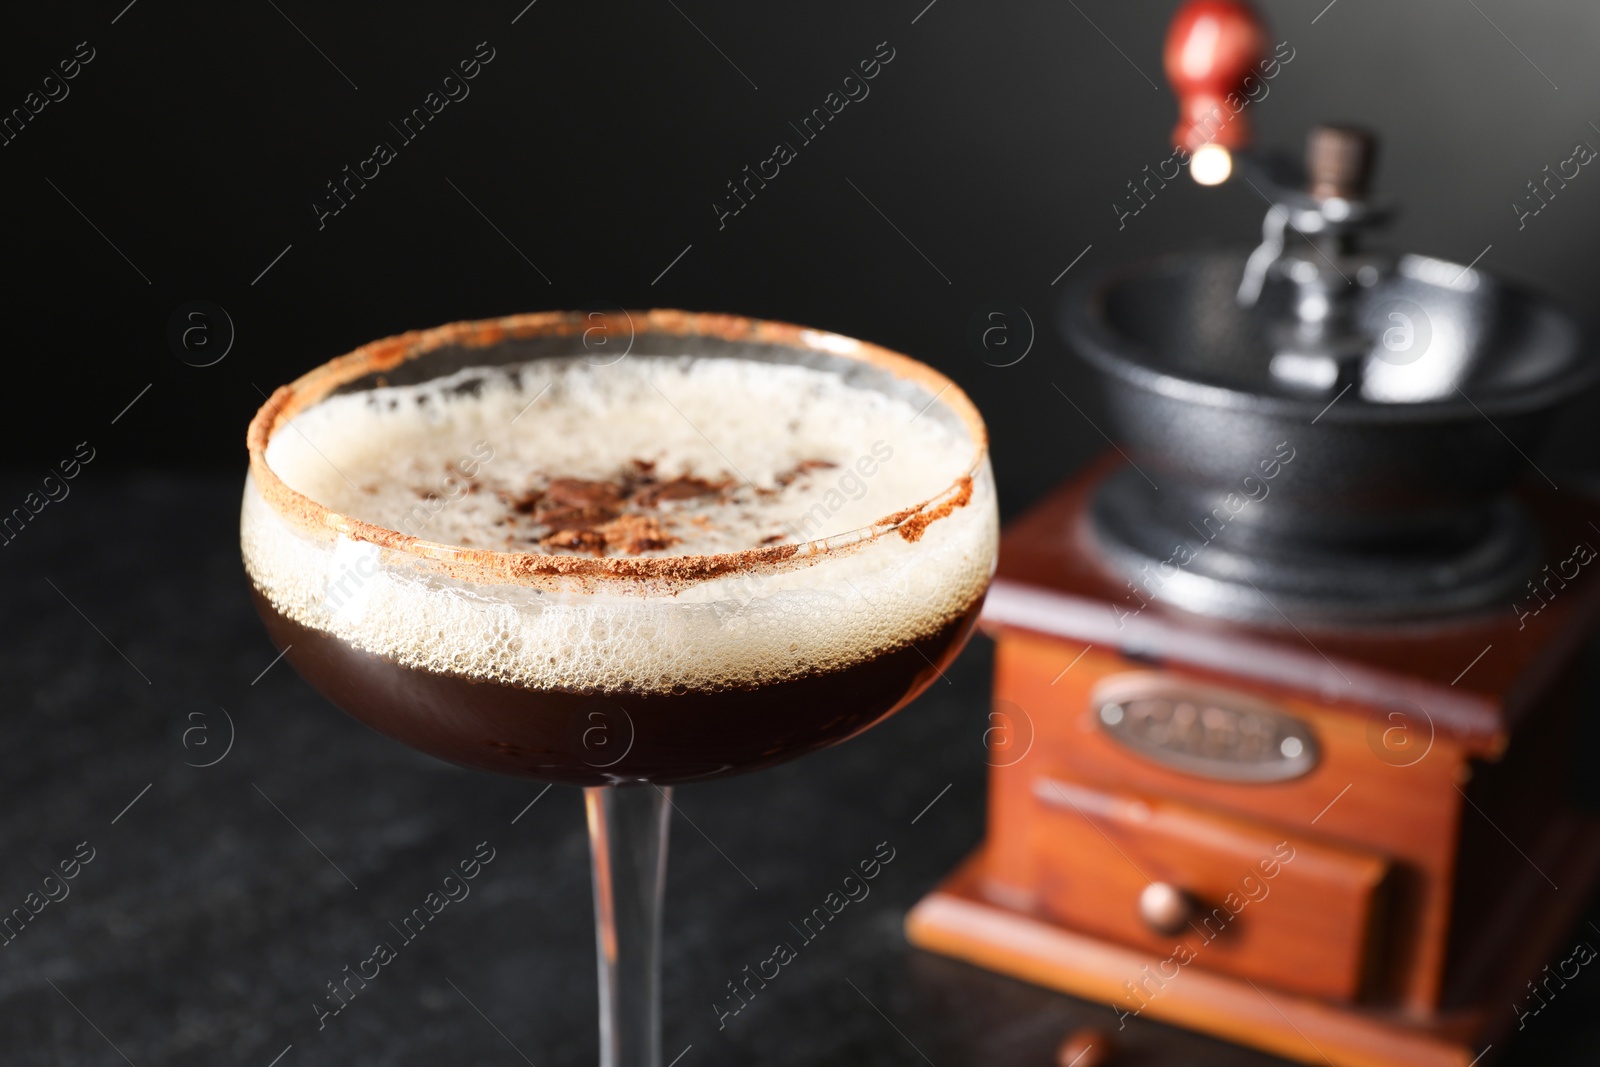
1437 867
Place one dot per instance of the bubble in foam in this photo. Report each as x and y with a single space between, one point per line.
657 456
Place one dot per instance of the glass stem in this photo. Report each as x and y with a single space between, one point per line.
628 851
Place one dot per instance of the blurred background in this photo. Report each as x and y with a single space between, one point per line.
180 169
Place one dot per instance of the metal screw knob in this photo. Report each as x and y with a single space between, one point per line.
1164 907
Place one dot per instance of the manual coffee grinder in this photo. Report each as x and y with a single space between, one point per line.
1286 685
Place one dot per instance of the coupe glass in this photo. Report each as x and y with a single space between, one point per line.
833 634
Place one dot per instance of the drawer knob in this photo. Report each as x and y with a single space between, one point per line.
1087 1046
1164 907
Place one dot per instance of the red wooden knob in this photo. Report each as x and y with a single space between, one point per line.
1212 47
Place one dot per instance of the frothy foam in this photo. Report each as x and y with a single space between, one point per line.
650 457
658 456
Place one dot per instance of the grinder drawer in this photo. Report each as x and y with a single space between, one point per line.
1203 890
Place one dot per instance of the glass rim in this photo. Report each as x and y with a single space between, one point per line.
495 566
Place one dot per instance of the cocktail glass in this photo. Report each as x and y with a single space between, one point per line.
786 648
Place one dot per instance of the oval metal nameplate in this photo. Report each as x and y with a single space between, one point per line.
1204 731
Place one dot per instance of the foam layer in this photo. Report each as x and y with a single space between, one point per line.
693 456
650 457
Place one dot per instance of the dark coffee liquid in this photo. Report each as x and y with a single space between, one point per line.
596 739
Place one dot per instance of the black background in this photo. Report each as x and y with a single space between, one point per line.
596 141
996 141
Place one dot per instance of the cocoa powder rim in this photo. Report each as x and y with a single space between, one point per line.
312 518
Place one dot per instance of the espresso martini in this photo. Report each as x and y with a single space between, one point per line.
669 567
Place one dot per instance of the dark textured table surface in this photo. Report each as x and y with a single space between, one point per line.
221 899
